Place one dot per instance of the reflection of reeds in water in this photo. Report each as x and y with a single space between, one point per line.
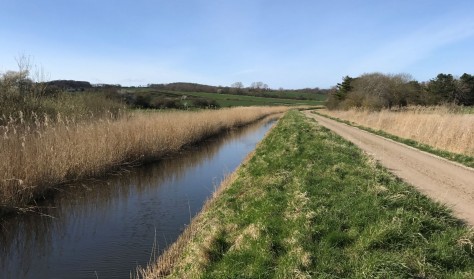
162 266
166 261
83 204
34 159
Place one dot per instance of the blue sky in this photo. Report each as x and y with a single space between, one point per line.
290 44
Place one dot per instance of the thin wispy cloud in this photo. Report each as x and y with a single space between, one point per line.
292 44
400 53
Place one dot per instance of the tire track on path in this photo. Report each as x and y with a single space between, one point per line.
440 179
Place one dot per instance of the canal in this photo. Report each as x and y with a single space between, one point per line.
107 227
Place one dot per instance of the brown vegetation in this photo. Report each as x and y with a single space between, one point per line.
38 156
438 127
375 91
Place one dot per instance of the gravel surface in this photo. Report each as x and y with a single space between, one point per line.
442 180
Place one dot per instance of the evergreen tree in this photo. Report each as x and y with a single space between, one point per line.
466 89
343 88
444 89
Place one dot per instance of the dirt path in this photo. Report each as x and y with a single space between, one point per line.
440 179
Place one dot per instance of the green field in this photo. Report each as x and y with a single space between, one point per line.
226 100
296 95
309 204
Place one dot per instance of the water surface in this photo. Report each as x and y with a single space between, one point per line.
105 228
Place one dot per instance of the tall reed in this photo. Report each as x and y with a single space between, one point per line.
440 127
39 156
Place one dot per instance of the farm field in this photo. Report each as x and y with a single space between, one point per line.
310 204
226 100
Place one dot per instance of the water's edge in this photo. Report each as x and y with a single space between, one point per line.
105 228
168 258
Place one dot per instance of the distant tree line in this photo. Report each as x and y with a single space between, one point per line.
377 91
70 84
185 87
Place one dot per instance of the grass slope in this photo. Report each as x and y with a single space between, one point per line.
310 204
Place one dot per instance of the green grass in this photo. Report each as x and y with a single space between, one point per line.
227 100
309 204
468 110
459 158
300 95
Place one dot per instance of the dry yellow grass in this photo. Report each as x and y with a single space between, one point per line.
436 126
37 158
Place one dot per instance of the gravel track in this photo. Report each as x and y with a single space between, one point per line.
440 179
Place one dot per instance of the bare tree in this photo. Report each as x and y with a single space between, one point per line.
374 90
31 78
24 66
237 86
257 85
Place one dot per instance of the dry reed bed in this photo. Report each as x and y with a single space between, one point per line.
437 127
35 159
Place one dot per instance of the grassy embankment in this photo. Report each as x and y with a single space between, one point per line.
437 130
310 204
225 100
38 155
